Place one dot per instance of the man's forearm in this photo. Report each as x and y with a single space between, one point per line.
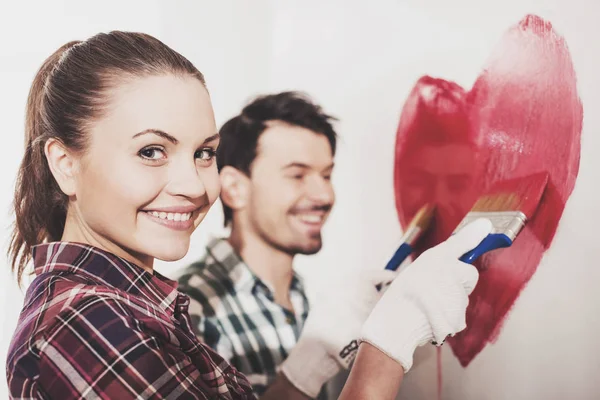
374 375
281 388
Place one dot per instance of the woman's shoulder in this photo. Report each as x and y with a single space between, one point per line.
53 299
50 302
52 293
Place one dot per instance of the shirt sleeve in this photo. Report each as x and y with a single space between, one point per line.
98 350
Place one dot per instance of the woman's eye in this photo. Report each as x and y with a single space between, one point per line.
205 154
152 153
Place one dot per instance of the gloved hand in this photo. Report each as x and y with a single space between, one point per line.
428 300
329 339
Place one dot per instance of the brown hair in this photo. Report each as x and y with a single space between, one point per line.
240 135
69 91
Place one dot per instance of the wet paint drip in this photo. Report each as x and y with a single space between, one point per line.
439 373
522 116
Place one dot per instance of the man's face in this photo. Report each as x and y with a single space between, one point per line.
290 194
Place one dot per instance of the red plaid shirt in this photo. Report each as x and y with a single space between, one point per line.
96 326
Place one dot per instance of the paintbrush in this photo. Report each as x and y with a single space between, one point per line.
508 205
417 226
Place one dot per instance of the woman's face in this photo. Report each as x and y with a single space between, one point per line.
149 174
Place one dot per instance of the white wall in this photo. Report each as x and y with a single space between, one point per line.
230 42
360 62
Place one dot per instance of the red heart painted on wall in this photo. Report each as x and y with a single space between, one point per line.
523 115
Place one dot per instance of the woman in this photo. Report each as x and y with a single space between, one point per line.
119 169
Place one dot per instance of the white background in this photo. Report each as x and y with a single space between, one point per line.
359 61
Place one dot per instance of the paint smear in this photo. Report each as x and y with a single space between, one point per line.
522 116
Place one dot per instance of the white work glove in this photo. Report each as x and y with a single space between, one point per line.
427 302
329 339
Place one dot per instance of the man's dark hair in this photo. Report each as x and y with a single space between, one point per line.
239 135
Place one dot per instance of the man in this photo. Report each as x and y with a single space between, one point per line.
275 161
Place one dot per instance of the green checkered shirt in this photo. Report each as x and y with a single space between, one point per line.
235 313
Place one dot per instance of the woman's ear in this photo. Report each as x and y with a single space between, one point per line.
62 165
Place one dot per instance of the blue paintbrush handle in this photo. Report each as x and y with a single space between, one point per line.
491 242
399 256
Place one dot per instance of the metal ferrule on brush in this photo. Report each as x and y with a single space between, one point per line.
509 223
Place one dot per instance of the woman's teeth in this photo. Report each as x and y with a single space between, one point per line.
311 218
171 216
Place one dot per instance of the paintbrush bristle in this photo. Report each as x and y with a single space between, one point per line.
520 194
509 204
422 218
419 224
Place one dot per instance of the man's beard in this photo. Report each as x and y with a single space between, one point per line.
313 247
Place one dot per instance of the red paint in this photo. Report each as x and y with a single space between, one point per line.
436 158
522 116
439 373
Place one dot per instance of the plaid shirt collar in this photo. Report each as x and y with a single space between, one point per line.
242 276
106 268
